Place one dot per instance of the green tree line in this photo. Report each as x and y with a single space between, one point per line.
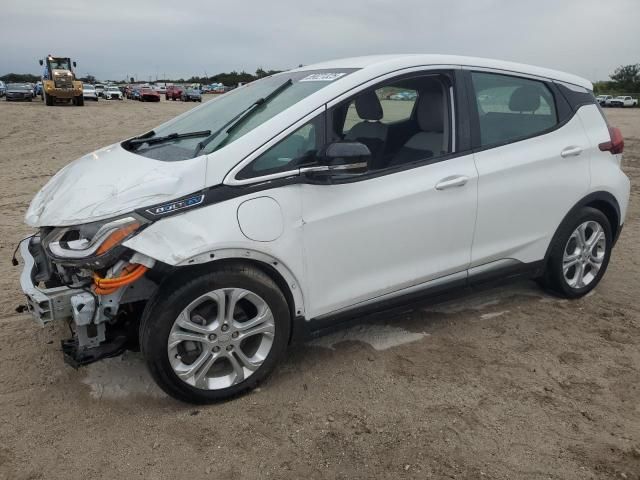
230 79
20 78
625 79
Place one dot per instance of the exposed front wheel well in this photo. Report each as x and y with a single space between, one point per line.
267 269
272 273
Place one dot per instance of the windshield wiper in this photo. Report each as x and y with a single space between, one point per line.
165 138
236 121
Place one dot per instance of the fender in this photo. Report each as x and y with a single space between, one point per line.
594 198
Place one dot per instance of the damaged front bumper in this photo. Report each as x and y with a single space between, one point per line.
45 304
95 320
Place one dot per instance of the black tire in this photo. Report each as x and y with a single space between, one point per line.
80 101
162 311
49 100
553 278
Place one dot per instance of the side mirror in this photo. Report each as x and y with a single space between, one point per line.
74 65
342 158
41 62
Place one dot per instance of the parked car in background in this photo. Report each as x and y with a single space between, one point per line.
3 88
604 100
191 95
624 101
173 92
134 93
161 89
99 89
228 236
89 92
148 94
112 92
403 96
19 91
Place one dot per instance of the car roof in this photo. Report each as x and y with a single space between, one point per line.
399 61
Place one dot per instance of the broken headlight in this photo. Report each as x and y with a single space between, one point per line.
91 240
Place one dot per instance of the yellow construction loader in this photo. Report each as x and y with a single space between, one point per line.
59 83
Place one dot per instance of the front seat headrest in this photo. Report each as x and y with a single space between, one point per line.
368 106
525 99
430 110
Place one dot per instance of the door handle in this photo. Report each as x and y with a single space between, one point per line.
571 152
451 182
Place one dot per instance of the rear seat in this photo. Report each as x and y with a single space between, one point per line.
501 127
521 121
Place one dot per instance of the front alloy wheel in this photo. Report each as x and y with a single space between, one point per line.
211 336
221 338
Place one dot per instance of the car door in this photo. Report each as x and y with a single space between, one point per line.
391 230
532 161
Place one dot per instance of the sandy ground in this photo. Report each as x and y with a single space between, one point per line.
506 383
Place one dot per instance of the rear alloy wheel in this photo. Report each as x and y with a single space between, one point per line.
584 254
579 255
217 335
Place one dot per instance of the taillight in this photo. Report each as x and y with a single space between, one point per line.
616 144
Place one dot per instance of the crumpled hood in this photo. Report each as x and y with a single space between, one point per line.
110 182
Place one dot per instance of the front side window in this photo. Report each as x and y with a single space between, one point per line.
299 148
232 115
402 122
512 108
397 106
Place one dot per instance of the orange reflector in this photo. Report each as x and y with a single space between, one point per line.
116 237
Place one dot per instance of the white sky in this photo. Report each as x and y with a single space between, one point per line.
144 38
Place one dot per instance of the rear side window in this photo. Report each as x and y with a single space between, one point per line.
512 108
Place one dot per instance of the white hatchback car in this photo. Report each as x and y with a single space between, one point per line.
317 195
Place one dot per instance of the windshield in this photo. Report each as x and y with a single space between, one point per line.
18 86
59 64
217 113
